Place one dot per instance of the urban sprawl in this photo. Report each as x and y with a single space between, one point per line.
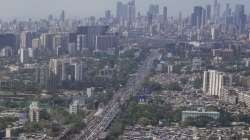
127 75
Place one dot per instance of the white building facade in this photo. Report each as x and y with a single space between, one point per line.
213 83
34 112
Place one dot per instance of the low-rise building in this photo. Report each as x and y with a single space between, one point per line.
196 114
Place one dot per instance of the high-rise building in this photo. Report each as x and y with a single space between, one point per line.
119 7
8 133
6 52
131 13
121 11
150 22
197 17
26 39
62 16
81 42
78 71
228 10
36 43
203 17
213 83
169 68
216 11
53 66
105 42
213 33
42 76
90 91
209 12
154 9
47 40
24 55
72 48
165 15
180 17
30 52
34 112
73 108
240 17
60 40
227 16
57 41
68 71
91 33
55 71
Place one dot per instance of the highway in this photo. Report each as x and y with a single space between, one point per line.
97 125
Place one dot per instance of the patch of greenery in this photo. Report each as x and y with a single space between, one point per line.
64 117
32 127
4 122
173 86
197 83
15 104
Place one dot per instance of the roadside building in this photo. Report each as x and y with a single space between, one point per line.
196 114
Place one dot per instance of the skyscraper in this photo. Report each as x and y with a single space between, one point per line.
119 6
165 15
203 17
150 19
121 10
227 16
197 17
240 17
24 55
60 41
91 33
78 68
208 11
55 72
154 9
228 10
62 16
131 13
216 11
81 42
26 39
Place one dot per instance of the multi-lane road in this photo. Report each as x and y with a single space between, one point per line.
97 125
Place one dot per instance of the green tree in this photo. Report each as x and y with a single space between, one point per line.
225 118
32 127
174 87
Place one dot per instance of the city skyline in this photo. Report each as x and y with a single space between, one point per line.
109 69
21 10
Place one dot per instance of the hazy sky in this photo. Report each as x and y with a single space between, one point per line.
81 8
